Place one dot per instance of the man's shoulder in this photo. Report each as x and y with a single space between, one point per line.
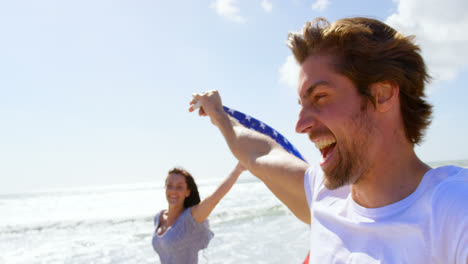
448 179
450 189
449 214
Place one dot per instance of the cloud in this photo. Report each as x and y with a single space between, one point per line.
289 72
267 6
228 9
440 28
320 5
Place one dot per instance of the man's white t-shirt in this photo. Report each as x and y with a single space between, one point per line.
428 226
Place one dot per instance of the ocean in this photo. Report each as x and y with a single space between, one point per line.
114 224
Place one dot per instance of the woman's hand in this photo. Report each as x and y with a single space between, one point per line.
202 210
239 168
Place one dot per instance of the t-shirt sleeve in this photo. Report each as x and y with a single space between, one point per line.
201 231
156 219
307 187
451 220
310 183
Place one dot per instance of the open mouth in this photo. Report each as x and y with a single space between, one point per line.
326 147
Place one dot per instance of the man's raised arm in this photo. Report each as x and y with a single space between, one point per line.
282 172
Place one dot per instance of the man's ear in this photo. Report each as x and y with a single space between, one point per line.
385 95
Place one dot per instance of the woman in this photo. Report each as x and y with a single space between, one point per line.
182 230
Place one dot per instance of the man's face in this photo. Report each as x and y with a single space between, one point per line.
336 119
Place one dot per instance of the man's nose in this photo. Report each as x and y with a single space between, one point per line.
306 121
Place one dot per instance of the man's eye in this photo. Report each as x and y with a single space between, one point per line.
319 96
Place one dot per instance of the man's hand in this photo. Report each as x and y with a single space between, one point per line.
211 105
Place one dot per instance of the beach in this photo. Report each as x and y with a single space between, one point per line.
114 224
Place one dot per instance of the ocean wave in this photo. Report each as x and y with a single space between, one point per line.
460 163
247 215
80 191
225 216
69 225
116 188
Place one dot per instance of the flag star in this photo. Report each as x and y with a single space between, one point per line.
275 134
247 117
231 110
285 140
262 125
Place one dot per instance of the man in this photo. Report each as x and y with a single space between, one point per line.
371 199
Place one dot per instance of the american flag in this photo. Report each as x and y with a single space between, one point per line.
263 128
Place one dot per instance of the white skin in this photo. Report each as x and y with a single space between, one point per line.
362 145
177 190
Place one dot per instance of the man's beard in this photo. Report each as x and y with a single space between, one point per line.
352 160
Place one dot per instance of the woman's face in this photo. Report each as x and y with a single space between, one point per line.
176 189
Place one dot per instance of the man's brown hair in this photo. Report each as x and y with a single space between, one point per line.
368 51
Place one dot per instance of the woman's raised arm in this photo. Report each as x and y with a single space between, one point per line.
202 210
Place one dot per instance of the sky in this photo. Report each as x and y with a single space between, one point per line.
97 92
